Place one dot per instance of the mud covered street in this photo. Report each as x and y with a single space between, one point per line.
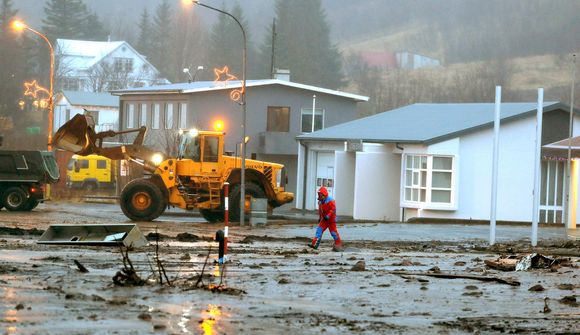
274 284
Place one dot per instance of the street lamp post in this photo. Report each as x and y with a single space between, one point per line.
243 103
19 26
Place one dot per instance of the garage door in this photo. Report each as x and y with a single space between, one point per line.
325 172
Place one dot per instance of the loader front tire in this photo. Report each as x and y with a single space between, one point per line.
212 215
142 200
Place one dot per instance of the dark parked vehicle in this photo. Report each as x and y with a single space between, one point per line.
23 175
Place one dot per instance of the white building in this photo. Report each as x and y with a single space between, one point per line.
435 161
103 107
102 66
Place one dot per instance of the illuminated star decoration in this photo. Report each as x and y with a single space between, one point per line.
224 75
34 90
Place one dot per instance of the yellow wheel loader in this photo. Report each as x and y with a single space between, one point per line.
193 180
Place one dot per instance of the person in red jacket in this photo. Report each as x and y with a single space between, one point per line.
326 220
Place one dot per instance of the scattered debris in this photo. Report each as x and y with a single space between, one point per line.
537 288
459 263
511 282
570 300
284 281
187 237
127 276
565 286
435 269
524 263
145 316
359 266
19 307
535 261
81 267
547 308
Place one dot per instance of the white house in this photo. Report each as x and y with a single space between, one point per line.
435 161
101 66
103 107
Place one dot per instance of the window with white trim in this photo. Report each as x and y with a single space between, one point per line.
306 119
155 118
143 115
130 115
428 180
183 115
168 115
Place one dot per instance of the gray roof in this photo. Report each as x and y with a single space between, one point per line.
205 86
91 99
426 123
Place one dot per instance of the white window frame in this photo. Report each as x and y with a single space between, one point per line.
130 114
427 187
168 115
308 112
183 115
143 115
155 117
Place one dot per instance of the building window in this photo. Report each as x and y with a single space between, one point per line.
123 64
130 114
168 115
183 115
306 119
70 84
428 180
278 119
155 117
143 115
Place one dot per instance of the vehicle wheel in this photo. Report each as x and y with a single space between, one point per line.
212 215
15 199
252 190
31 204
89 187
142 200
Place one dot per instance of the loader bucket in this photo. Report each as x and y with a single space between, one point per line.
77 135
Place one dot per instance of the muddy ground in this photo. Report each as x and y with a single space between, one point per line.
273 283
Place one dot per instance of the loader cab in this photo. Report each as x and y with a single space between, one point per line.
204 147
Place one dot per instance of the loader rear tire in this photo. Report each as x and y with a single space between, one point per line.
142 200
252 190
212 215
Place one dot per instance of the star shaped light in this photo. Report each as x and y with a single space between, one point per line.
32 88
223 74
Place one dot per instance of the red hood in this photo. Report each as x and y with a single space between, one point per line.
323 191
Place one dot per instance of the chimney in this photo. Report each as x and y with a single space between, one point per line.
281 74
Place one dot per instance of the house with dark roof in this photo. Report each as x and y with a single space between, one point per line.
277 111
103 107
435 161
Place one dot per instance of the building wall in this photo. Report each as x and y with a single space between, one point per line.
345 168
376 189
515 179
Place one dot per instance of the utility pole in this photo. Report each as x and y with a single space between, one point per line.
273 56
570 134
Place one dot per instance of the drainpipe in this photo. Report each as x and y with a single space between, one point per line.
304 183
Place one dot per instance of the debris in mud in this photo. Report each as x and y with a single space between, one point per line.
19 307
219 289
20 231
435 269
7 269
507 281
524 263
460 263
284 281
565 286
187 237
156 237
145 317
547 308
127 276
570 300
359 266
80 267
537 288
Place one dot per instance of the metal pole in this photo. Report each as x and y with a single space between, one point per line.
570 134
495 164
243 103
313 110
537 168
226 218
